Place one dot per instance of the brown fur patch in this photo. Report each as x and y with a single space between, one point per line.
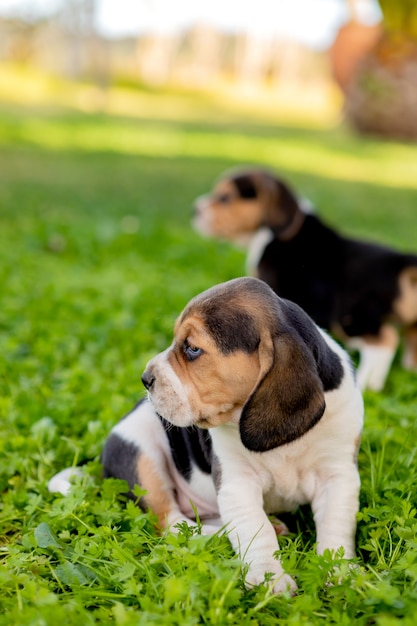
279 205
406 304
410 348
235 217
157 498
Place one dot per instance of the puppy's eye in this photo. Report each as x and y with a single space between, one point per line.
224 198
191 352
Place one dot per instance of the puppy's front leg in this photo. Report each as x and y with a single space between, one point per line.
376 356
251 534
334 507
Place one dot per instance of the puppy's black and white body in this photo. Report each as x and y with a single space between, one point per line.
358 290
252 410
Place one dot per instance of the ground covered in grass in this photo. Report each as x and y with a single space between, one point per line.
97 259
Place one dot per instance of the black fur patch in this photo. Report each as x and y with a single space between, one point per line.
119 460
232 329
189 447
245 187
267 436
329 367
305 269
336 280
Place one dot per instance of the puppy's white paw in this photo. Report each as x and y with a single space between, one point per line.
279 583
279 527
61 482
284 584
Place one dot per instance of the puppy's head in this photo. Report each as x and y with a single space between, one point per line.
237 358
243 202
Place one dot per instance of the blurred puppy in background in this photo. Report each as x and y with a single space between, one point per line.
361 291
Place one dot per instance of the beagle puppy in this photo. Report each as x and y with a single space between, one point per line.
360 291
252 410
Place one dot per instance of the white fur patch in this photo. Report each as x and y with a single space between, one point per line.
306 206
374 365
168 394
141 425
201 221
257 245
61 482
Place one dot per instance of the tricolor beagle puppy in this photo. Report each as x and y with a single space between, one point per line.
252 410
360 291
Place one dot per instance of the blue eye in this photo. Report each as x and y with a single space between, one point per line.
191 352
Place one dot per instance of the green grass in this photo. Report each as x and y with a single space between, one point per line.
97 259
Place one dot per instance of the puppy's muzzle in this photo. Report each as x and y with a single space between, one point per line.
148 379
200 204
196 209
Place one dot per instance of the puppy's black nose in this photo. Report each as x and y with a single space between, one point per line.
148 379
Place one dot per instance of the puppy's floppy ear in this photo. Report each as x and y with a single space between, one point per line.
288 398
280 204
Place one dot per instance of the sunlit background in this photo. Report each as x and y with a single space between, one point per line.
301 56
312 22
314 55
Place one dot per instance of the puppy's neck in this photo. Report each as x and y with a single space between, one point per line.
256 243
289 230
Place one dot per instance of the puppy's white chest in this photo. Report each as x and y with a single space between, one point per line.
284 476
285 483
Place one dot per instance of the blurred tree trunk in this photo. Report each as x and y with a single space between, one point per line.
252 54
87 53
73 25
381 96
352 43
156 54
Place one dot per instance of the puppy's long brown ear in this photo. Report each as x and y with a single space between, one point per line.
288 399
